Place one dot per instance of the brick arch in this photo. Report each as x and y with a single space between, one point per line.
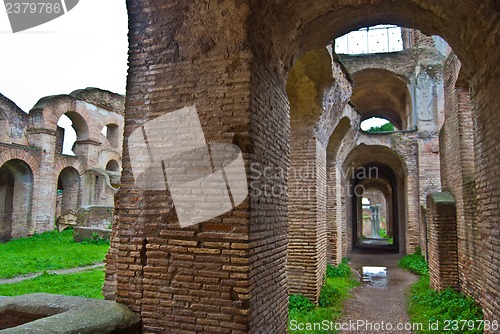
364 154
53 107
14 153
366 162
382 93
23 194
62 162
310 24
106 156
111 118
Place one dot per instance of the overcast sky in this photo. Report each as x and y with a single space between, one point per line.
86 47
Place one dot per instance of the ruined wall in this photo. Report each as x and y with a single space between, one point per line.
458 174
442 241
184 54
35 140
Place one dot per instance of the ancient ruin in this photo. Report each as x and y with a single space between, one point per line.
251 70
263 76
41 186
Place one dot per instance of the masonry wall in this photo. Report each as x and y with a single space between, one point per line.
306 263
442 241
34 140
169 41
456 140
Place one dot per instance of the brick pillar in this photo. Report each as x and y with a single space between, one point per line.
306 262
442 240
227 274
45 190
318 91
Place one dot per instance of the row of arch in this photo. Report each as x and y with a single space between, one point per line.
267 39
17 183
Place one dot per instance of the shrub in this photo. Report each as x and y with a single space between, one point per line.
95 239
329 295
342 270
414 263
300 303
387 127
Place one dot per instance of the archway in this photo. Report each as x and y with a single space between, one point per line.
112 133
376 208
113 166
377 167
380 93
68 190
71 127
377 223
16 189
245 57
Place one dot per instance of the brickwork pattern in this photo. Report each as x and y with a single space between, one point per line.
442 241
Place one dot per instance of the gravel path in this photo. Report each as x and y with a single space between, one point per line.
382 299
59 272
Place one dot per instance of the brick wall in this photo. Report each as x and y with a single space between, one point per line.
442 241
10 318
180 55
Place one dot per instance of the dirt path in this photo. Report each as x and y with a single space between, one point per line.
380 303
59 272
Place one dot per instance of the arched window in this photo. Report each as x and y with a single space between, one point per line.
112 133
70 127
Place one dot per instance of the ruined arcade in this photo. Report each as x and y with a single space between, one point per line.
264 76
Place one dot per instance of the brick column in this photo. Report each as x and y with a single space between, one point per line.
306 262
45 192
442 240
226 274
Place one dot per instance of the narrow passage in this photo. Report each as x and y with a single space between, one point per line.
379 304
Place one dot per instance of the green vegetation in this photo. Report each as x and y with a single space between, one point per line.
446 311
414 263
47 251
95 239
333 293
300 304
86 284
383 234
387 127
342 270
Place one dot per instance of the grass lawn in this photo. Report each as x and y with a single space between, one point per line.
47 251
86 284
334 292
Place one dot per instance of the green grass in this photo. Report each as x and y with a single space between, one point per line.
383 234
414 263
47 251
446 311
333 293
438 308
342 270
86 284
